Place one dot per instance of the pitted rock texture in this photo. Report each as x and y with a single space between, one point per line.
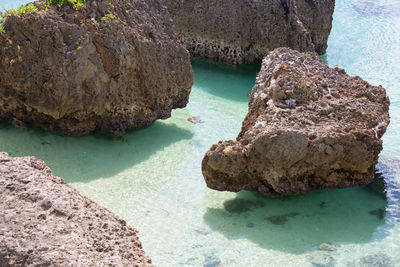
308 127
110 65
236 32
45 222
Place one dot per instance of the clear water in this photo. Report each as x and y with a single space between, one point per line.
152 177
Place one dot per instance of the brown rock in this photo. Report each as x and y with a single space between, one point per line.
236 32
110 65
45 222
308 127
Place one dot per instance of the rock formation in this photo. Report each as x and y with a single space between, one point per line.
45 222
236 32
108 65
308 127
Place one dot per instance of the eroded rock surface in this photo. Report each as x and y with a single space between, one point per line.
110 65
236 32
308 127
45 222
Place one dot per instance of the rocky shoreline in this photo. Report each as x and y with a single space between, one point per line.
45 222
119 64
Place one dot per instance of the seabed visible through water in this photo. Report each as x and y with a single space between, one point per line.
151 177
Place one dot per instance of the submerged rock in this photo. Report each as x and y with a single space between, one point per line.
308 127
282 219
377 260
108 65
378 184
326 247
211 260
45 222
245 31
240 205
379 213
321 259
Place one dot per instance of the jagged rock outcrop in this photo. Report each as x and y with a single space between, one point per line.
45 222
236 32
109 65
308 127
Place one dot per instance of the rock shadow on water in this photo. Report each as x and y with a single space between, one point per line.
225 81
98 155
298 224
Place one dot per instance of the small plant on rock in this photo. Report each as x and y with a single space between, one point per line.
20 11
77 4
95 22
108 16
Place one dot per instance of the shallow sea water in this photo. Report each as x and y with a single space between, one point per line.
152 176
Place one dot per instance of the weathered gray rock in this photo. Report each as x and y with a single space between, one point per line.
308 127
110 65
45 222
235 32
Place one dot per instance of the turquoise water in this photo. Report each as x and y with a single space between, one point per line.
152 177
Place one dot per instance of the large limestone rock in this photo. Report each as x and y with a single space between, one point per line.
308 127
109 65
235 32
45 222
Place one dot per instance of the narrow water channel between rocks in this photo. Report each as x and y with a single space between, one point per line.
152 178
